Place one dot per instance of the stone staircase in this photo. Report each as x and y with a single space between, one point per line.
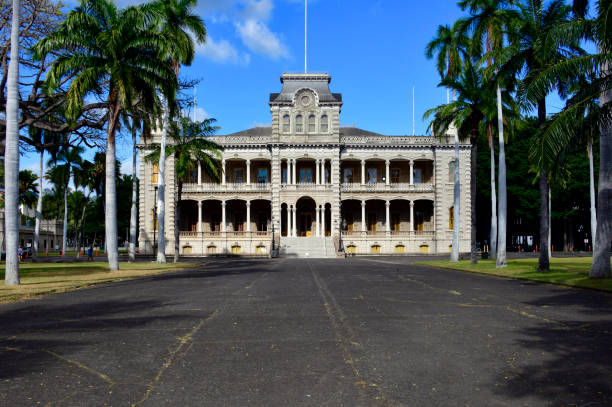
307 247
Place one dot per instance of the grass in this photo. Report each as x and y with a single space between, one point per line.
39 279
573 272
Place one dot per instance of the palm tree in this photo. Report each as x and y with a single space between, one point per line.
596 30
467 113
11 157
69 161
117 51
489 21
175 22
190 148
83 176
451 47
533 50
29 189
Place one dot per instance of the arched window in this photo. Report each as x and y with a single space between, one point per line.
299 124
451 171
286 124
451 217
311 124
324 124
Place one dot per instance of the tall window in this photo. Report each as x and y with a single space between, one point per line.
284 176
348 176
372 176
324 124
239 175
155 178
451 218
305 176
451 171
311 124
262 175
418 176
395 175
286 124
299 124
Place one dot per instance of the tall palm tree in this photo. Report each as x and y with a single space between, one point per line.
190 148
83 176
529 53
451 47
68 162
490 21
117 54
176 22
11 157
467 113
29 189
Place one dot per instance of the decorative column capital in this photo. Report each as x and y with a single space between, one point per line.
388 204
200 204
363 203
412 204
248 204
223 203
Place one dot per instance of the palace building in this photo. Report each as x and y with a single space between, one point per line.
309 187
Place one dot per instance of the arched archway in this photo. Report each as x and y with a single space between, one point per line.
306 217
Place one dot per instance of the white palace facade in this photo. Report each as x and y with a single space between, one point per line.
309 187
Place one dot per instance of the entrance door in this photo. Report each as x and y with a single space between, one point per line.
306 224
305 176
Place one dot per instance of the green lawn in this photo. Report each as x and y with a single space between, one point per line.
572 272
39 279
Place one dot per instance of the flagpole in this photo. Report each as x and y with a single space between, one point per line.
305 35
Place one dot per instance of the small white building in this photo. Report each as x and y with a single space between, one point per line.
315 187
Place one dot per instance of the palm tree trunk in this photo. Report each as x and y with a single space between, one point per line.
11 158
456 203
544 260
549 222
38 208
592 193
474 159
161 182
134 210
502 198
65 228
110 213
601 254
81 225
493 233
177 221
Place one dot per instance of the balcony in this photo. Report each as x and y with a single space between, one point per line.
306 187
393 234
381 187
228 234
228 187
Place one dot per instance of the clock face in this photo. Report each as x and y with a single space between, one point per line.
305 99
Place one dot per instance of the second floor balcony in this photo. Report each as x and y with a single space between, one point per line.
382 187
228 187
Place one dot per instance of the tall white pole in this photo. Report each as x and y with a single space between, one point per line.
305 35
413 128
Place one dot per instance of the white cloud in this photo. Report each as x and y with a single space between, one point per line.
200 114
258 38
260 10
223 52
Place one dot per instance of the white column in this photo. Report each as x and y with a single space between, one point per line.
412 216
248 172
199 173
363 219
387 180
323 221
248 217
294 215
318 212
363 172
293 171
387 223
223 173
223 229
288 221
200 216
411 172
323 180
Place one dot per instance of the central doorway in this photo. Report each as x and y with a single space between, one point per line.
306 217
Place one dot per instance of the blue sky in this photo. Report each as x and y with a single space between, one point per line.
373 49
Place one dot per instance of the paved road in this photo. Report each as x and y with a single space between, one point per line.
354 332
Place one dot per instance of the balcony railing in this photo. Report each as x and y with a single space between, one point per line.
228 234
303 186
381 186
228 187
394 233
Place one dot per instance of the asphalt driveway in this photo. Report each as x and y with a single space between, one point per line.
287 332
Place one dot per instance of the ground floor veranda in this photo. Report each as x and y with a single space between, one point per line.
369 226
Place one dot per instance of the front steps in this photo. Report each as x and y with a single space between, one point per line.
307 247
